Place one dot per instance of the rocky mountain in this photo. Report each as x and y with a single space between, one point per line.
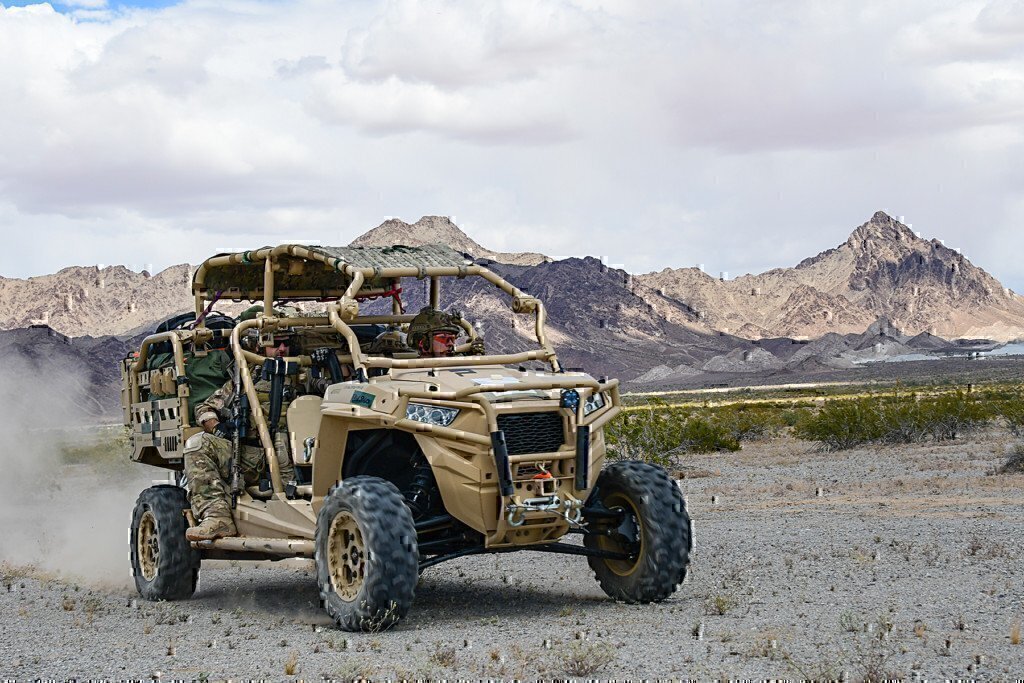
882 270
75 379
81 301
440 230
659 329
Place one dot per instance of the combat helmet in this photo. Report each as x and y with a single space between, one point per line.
387 342
430 322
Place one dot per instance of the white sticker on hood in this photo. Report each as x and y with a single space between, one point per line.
494 381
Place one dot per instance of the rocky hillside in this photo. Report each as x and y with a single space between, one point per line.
907 292
80 301
440 230
882 270
70 379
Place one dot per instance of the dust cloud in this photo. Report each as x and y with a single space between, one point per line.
67 486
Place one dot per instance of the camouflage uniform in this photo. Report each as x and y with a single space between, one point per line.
207 469
208 457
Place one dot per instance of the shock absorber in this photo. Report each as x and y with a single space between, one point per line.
420 495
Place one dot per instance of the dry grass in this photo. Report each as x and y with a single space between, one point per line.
720 604
1015 462
581 659
1015 633
291 665
443 656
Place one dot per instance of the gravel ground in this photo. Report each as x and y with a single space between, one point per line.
901 561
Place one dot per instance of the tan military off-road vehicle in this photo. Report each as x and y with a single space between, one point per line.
401 461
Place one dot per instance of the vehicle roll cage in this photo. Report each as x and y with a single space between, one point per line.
356 273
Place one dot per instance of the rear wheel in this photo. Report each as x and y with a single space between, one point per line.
164 563
367 562
653 530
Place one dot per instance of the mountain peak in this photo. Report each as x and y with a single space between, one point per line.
427 230
881 228
438 230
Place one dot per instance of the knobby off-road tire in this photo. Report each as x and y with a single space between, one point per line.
367 562
164 563
658 524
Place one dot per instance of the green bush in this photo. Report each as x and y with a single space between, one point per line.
952 415
1011 410
791 417
659 431
748 422
649 435
702 435
901 420
842 424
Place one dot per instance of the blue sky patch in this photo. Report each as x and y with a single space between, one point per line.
111 4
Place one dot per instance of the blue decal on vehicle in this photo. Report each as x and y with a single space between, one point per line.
361 398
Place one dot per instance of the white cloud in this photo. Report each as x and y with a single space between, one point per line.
84 4
735 134
453 45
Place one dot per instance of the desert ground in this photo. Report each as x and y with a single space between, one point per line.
876 562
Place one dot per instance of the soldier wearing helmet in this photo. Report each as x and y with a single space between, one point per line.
387 343
432 333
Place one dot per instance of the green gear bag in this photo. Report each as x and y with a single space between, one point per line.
206 373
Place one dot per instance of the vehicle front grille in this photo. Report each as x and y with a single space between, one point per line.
532 432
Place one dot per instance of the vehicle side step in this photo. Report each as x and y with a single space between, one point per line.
285 547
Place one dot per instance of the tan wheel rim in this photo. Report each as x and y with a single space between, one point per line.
148 543
622 567
346 556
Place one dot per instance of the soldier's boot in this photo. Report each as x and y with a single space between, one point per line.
212 528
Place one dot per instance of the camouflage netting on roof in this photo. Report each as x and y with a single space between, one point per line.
399 256
314 278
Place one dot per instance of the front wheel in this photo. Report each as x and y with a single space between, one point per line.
164 563
652 530
367 562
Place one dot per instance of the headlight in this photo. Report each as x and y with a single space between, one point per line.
431 415
593 403
570 399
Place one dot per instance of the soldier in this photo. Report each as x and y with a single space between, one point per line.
208 457
433 333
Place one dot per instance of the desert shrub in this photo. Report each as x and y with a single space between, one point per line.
749 422
1011 410
659 431
703 435
1015 463
791 417
893 419
842 424
901 420
952 415
650 434
585 660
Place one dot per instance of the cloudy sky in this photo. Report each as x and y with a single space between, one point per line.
739 135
